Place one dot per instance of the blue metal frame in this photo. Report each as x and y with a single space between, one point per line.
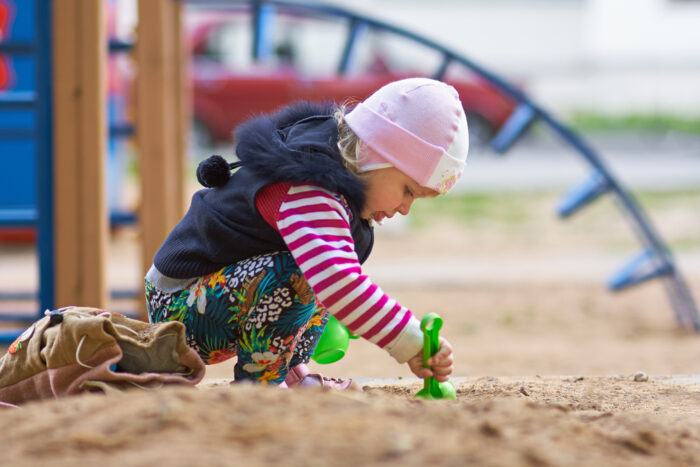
40 101
120 130
656 261
44 131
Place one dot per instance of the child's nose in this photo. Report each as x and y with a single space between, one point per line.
405 207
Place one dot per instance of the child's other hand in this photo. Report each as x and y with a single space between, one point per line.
440 363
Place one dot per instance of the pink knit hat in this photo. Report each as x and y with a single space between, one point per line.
416 125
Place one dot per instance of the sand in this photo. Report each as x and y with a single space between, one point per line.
551 368
495 421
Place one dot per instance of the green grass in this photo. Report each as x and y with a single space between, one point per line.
675 214
475 208
653 122
664 199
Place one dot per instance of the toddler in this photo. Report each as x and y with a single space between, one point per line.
276 240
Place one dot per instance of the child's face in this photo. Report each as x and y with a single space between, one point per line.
390 191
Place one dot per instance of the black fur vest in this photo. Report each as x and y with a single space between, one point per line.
223 226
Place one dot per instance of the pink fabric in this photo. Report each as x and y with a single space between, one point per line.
387 142
316 228
409 124
301 376
268 200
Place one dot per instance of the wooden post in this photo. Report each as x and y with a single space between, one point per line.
160 121
181 101
81 218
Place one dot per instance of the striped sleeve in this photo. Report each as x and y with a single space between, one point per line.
316 227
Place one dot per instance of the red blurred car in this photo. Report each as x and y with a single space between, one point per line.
226 94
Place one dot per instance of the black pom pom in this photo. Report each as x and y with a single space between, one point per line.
213 171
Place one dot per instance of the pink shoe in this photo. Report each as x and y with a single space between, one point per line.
300 376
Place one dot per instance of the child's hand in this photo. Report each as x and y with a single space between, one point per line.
440 363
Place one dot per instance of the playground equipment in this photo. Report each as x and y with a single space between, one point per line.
655 260
431 325
26 134
66 132
62 130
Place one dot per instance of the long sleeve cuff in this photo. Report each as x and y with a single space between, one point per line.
408 343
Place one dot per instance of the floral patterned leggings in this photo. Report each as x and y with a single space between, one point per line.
260 309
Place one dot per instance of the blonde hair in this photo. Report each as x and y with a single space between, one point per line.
348 142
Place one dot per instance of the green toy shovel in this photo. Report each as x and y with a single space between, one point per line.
333 343
430 325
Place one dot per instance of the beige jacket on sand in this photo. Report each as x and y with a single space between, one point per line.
78 349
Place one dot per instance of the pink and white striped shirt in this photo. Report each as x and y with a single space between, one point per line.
315 225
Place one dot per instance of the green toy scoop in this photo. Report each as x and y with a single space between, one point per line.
430 325
333 343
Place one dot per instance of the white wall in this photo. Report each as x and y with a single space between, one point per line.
643 32
519 37
614 56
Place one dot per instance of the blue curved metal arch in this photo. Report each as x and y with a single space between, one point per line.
655 259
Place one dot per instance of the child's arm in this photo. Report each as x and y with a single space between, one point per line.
316 228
